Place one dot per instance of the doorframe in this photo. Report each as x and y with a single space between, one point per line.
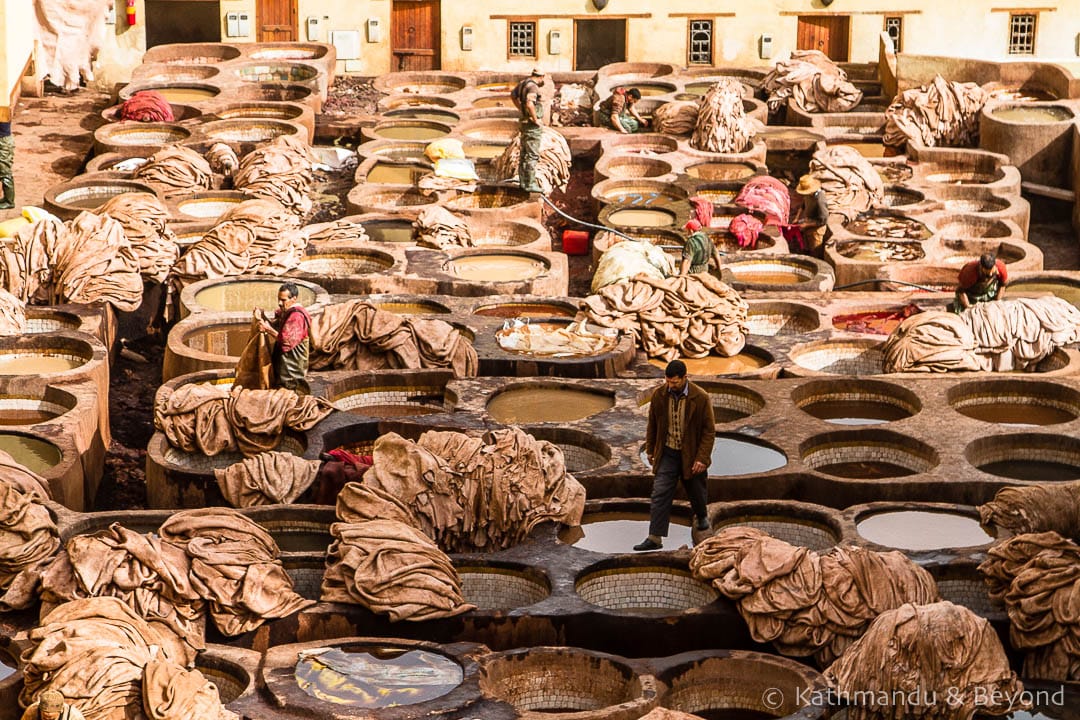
626 35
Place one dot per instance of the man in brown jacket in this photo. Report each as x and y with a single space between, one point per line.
679 441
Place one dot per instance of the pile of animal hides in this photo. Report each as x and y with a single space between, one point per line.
722 125
676 118
941 113
553 169
29 538
811 81
991 336
850 183
446 492
803 602
686 316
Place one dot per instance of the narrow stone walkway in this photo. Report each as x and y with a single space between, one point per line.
53 137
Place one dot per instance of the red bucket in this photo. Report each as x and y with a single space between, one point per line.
575 242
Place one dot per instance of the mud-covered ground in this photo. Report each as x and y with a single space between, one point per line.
351 95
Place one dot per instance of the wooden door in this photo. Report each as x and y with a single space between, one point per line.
414 35
276 20
828 33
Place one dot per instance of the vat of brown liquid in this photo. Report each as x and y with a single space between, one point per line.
495 268
545 403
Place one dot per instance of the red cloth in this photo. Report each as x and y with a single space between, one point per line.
703 210
794 237
147 106
969 274
746 228
767 195
343 455
292 326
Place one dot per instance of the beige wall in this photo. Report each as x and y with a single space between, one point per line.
122 48
16 32
659 36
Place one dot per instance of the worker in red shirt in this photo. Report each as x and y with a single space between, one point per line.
981 280
290 330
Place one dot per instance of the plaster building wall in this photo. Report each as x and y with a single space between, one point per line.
16 18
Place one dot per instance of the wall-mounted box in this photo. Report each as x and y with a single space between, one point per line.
245 24
232 25
466 37
374 30
765 47
555 42
347 44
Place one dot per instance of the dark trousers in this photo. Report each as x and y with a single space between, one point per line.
668 474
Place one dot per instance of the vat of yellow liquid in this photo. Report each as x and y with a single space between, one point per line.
410 130
496 267
744 362
641 217
181 94
484 151
38 363
391 232
720 171
1033 114
387 174
32 453
547 404
243 295
211 205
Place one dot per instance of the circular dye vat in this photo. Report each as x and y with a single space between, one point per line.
653 89
921 530
484 151
210 206
865 470
392 232
741 455
856 412
894 172
888 226
874 322
505 86
614 533
8 666
16 363
243 295
420 307
634 217
186 94
1033 470
495 268
499 588
1014 413
228 340
525 310
376 676
716 365
1068 293
1032 114
30 452
720 171
421 113
547 404
882 251
410 130
766 272
29 411
653 590
867 149
387 174
555 339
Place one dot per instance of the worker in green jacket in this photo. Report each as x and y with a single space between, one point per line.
526 97
698 250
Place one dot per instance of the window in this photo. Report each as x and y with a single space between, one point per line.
1022 34
522 39
701 35
894 27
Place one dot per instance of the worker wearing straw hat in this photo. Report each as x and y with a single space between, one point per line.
814 213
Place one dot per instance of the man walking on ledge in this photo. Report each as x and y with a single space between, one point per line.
679 441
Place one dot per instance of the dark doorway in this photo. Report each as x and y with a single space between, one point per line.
831 34
180 21
598 43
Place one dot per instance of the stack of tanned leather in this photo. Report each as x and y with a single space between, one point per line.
144 219
813 82
941 113
176 170
721 125
553 169
280 170
439 228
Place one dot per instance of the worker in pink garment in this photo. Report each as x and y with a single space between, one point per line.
291 332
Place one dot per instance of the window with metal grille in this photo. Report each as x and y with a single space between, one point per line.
894 26
701 35
1022 34
523 39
